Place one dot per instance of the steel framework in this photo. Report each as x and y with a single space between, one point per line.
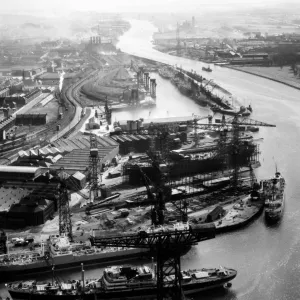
65 224
168 245
94 168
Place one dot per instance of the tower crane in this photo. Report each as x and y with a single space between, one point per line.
94 168
169 243
64 220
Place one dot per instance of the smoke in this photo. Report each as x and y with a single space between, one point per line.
61 80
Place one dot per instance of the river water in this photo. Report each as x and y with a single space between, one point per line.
267 258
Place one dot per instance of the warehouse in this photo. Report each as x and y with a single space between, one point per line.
17 173
78 156
132 142
31 119
29 213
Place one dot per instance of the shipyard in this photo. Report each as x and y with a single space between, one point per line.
149 155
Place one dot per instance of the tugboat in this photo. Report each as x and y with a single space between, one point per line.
273 192
120 282
208 69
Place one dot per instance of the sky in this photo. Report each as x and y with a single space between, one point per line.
132 5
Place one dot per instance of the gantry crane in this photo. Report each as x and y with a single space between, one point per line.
169 243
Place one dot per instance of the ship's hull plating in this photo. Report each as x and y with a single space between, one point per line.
13 272
275 217
136 293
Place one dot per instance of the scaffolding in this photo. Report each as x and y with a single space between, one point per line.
189 175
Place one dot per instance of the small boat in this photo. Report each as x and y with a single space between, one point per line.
273 193
208 69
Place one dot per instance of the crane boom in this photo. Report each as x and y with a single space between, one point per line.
168 244
163 236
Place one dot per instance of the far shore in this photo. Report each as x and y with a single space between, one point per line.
284 75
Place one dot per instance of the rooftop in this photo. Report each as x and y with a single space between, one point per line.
18 169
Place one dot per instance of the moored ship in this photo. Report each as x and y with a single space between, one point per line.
120 282
166 72
208 69
243 111
59 251
273 192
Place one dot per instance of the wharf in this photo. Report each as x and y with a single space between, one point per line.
239 213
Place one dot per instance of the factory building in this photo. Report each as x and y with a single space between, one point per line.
29 213
28 203
31 119
128 143
77 181
72 154
17 173
251 61
4 92
5 125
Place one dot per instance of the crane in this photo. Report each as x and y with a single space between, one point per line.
234 123
169 243
66 181
94 168
158 200
107 112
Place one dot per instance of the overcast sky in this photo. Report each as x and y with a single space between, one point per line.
133 5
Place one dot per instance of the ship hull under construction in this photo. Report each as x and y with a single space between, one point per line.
11 271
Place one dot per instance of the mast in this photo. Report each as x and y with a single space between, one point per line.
82 277
53 266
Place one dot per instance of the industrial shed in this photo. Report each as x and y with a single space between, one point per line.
132 142
29 213
215 214
79 180
31 119
16 173
78 156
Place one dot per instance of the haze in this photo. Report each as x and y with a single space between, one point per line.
167 6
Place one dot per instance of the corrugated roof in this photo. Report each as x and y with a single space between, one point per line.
18 169
78 175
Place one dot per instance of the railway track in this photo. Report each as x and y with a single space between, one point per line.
69 95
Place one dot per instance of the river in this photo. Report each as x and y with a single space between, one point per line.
267 258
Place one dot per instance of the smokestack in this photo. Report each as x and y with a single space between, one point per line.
61 80
154 88
147 81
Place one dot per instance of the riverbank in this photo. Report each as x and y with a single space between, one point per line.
283 75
